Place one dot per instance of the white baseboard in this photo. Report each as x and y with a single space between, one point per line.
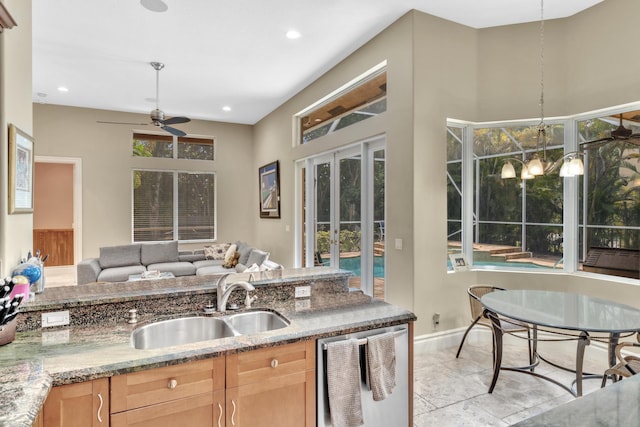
451 339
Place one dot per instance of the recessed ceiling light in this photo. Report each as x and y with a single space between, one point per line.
226 108
293 34
154 5
63 89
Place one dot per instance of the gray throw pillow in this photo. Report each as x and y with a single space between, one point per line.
257 257
119 256
244 253
154 253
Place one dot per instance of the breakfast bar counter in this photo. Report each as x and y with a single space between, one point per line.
41 358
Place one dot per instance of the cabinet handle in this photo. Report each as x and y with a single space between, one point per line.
274 363
220 415
233 414
173 383
100 408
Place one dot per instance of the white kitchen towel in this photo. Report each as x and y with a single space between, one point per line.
381 364
343 382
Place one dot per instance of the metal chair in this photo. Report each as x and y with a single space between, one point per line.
628 366
478 318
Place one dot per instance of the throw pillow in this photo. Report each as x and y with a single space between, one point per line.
228 256
233 261
216 251
244 254
257 257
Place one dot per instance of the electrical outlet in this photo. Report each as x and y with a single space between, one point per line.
303 291
303 304
56 318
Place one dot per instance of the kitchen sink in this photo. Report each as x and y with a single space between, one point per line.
186 330
253 322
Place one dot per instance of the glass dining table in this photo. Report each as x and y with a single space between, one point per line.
561 316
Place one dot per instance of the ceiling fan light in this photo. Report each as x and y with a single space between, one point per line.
576 167
534 167
508 171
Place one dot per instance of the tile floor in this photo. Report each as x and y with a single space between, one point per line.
453 392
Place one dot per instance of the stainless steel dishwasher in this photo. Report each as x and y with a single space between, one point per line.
392 411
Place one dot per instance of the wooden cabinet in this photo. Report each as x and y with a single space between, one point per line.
189 394
78 405
272 387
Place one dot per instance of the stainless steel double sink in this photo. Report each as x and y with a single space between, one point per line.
186 330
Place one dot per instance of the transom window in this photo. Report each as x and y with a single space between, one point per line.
362 99
171 146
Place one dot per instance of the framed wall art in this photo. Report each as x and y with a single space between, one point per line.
20 171
269 176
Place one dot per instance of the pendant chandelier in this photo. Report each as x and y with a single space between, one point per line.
570 164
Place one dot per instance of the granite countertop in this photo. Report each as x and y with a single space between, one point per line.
614 405
39 359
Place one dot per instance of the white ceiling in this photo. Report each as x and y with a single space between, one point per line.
223 53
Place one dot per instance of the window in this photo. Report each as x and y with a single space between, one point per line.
454 190
516 223
362 99
547 222
609 200
173 205
164 146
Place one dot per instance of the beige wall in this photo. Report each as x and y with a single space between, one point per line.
15 108
53 196
438 69
107 163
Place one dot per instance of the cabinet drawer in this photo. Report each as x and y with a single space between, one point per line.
203 410
267 363
153 386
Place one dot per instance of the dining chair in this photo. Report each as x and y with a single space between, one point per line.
478 318
628 366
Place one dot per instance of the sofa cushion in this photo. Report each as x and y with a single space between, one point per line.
208 263
153 253
120 256
177 268
216 251
119 274
230 254
191 257
245 251
256 257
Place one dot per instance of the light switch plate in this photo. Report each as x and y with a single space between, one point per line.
303 291
55 318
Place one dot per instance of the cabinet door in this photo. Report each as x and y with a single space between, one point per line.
272 387
204 410
78 405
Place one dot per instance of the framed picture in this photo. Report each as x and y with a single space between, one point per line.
459 262
269 176
20 171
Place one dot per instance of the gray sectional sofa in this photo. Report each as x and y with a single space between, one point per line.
118 263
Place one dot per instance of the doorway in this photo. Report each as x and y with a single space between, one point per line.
57 213
347 204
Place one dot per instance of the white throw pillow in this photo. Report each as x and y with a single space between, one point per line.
228 256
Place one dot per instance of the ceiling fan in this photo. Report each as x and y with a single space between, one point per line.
157 116
620 133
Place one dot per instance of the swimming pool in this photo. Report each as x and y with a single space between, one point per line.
353 264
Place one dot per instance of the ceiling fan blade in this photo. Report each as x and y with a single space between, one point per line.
121 123
176 120
173 131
